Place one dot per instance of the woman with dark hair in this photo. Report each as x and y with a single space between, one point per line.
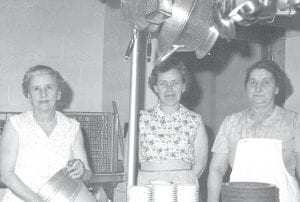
261 143
38 143
172 139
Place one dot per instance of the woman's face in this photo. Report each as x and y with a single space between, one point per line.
169 87
261 88
43 92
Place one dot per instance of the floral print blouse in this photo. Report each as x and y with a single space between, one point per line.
165 136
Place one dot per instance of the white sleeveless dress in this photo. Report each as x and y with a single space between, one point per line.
41 156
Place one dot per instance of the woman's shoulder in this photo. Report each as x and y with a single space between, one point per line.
238 114
286 111
287 114
61 116
22 117
236 117
189 113
147 112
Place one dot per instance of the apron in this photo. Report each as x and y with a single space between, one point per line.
260 160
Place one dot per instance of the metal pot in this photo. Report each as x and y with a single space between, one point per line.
62 188
223 23
190 28
134 11
146 13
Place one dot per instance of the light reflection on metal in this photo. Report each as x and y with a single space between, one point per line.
132 131
247 13
131 45
168 54
162 11
214 34
224 25
262 11
188 26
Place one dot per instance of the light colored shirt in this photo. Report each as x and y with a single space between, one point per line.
281 124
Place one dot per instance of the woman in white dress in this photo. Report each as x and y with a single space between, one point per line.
38 143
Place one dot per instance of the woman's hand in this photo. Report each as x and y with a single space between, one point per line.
75 168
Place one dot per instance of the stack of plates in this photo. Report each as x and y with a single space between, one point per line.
249 191
139 194
163 193
187 193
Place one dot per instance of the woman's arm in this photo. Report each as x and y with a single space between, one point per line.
297 146
217 170
200 151
298 166
9 143
79 165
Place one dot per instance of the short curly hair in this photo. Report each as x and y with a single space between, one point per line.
40 69
172 63
273 68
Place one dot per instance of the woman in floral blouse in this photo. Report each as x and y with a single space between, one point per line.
172 139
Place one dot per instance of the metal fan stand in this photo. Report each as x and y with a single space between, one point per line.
133 111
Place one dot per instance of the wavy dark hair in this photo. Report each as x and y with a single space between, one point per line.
270 66
280 77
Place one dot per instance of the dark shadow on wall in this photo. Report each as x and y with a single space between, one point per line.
222 53
216 61
286 90
203 178
142 70
192 97
66 97
114 4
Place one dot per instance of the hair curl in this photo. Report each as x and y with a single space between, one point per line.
41 69
272 67
172 63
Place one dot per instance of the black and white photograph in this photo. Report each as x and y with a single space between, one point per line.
149 101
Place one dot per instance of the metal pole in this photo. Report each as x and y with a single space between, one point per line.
132 131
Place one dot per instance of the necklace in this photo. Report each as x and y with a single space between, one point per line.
48 123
